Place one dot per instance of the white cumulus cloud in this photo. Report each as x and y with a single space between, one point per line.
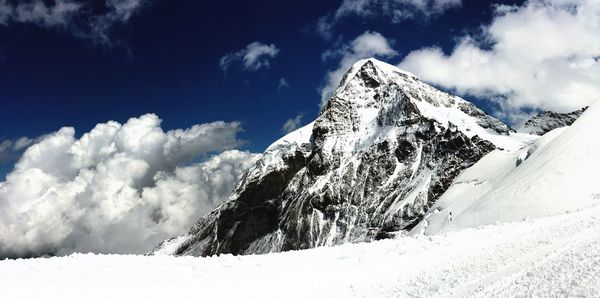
252 58
369 44
120 188
543 55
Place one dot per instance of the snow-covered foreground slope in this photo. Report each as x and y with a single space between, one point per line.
554 256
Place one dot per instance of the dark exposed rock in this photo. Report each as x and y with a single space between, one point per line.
368 74
547 121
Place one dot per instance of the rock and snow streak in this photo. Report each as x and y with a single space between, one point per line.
382 151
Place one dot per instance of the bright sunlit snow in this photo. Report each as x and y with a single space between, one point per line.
554 256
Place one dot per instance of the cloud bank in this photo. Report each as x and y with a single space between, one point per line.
118 188
369 44
81 18
396 11
541 55
251 58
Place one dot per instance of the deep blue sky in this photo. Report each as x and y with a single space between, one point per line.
166 61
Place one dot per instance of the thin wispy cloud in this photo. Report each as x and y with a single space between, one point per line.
283 83
396 11
38 12
11 150
253 57
78 17
292 124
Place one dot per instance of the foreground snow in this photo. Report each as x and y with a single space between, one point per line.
553 256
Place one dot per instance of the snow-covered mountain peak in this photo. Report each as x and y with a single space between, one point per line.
370 72
365 77
382 150
375 94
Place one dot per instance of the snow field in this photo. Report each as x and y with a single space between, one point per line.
552 256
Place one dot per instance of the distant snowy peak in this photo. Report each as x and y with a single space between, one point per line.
381 152
547 121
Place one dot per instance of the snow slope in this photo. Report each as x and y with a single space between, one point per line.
553 256
555 174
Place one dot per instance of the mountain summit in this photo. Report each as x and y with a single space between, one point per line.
547 121
382 151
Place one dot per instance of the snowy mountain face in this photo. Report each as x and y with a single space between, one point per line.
554 174
381 153
547 121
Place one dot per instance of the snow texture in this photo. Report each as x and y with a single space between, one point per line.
547 257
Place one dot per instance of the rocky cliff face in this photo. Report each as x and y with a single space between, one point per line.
547 121
381 152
